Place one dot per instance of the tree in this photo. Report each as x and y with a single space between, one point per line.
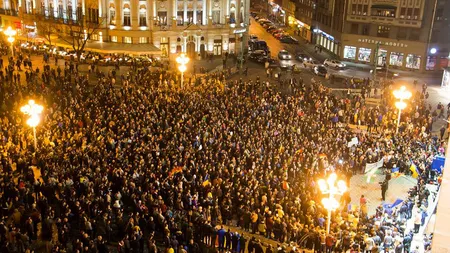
79 31
46 27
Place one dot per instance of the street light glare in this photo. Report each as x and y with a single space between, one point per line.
331 179
342 186
400 105
33 121
182 68
322 185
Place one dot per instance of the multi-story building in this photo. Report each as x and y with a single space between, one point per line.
198 27
439 46
328 24
392 33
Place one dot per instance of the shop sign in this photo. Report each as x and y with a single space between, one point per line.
239 31
386 43
324 33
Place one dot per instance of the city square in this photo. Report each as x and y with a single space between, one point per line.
241 126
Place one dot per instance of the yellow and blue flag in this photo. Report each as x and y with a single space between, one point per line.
415 171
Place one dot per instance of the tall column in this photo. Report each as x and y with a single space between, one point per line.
134 15
194 17
151 12
238 13
204 13
184 11
174 13
118 6
227 11
209 12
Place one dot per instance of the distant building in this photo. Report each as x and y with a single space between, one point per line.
393 33
197 27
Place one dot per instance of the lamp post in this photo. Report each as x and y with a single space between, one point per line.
33 110
401 94
182 60
329 187
10 33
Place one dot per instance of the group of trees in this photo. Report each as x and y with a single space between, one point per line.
73 30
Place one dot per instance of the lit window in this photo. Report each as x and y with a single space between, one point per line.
143 40
113 38
127 40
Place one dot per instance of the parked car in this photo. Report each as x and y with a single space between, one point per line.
253 37
320 70
267 25
253 14
256 18
279 30
271 28
311 63
264 21
334 63
284 55
301 57
280 35
381 72
288 40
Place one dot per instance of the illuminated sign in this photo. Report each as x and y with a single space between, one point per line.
385 43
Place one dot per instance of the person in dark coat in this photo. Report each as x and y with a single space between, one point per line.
242 243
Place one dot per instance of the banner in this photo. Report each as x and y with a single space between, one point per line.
438 163
372 166
414 170
353 142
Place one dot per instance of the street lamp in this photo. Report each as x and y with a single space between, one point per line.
182 60
328 187
33 110
10 33
401 94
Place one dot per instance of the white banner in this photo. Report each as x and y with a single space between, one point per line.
354 141
372 166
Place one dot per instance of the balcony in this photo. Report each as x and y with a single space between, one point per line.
382 20
8 12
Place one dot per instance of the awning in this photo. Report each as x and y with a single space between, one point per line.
384 6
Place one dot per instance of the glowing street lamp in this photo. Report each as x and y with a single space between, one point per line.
10 33
182 60
401 94
329 187
33 110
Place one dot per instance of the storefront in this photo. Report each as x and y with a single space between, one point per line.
326 41
436 63
364 54
300 28
404 55
396 59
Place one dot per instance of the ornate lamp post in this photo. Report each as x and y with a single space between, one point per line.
10 33
401 94
329 187
182 60
33 110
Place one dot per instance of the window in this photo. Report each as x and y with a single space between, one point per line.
354 29
396 59
162 18
142 18
413 61
402 33
112 16
60 11
69 12
199 17
143 40
349 52
416 13
180 20
164 46
113 39
126 17
354 9
402 12
92 15
365 29
364 54
415 34
233 17
216 17
365 10
128 40
190 17
383 31
409 13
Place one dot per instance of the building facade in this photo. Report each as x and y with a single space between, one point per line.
391 33
197 27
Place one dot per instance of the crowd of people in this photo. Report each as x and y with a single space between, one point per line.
132 162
